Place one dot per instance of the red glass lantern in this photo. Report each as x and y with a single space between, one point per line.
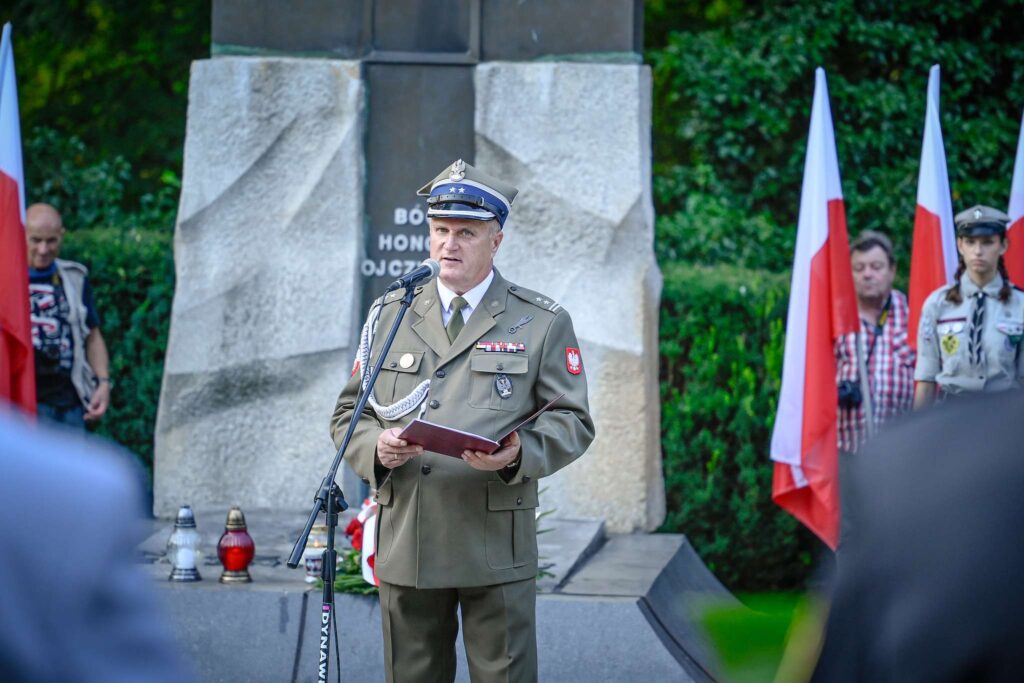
235 549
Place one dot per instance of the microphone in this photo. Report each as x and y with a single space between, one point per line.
426 272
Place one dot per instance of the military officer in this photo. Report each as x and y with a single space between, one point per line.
970 332
477 353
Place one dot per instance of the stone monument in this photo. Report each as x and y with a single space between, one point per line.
309 130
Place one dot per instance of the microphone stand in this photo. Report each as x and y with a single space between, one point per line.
331 501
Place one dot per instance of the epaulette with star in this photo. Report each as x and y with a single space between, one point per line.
535 298
397 295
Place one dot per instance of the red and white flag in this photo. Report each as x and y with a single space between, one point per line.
17 362
1014 256
822 306
933 258
368 518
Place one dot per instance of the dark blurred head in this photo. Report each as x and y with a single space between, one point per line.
928 583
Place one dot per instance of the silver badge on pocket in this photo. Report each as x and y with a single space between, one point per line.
504 386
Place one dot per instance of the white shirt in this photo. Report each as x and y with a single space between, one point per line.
472 298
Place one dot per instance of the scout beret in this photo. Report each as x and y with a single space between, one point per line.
979 221
461 191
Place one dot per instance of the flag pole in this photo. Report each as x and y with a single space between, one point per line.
865 385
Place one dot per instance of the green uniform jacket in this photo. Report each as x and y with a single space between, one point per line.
443 524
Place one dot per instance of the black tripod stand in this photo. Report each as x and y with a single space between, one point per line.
330 500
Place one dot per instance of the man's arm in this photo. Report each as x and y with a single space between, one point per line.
362 449
99 360
562 434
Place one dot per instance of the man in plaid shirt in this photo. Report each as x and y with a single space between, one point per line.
888 357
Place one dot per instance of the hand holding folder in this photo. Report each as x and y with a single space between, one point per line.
450 441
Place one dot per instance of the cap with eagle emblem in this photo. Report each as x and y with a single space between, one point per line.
462 191
980 220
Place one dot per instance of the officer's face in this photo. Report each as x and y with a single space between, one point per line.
872 273
44 240
981 255
465 249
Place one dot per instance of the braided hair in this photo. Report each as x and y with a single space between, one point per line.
1007 289
953 294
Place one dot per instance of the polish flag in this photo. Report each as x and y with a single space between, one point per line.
1015 234
933 258
17 362
822 306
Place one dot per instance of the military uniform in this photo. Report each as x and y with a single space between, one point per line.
443 524
974 345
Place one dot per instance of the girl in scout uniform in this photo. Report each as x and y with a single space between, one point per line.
969 338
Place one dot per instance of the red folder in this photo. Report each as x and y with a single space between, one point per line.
449 441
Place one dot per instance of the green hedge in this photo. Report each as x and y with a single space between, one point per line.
721 368
132 272
732 99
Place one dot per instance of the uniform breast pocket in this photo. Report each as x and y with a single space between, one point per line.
952 334
399 375
1011 333
499 381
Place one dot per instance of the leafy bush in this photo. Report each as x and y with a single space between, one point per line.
90 192
132 272
721 369
112 72
732 105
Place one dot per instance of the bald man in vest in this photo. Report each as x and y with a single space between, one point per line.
72 364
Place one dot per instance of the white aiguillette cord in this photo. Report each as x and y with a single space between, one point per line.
401 407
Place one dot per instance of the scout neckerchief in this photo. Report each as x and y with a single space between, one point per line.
974 346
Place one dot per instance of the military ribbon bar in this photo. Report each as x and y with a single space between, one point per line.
501 347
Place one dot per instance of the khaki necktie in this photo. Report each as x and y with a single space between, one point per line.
456 323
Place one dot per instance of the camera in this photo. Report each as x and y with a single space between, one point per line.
48 355
849 394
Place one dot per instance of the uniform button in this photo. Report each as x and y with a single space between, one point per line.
519 501
514 289
501 366
365 480
425 469
526 478
393 364
440 374
435 404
